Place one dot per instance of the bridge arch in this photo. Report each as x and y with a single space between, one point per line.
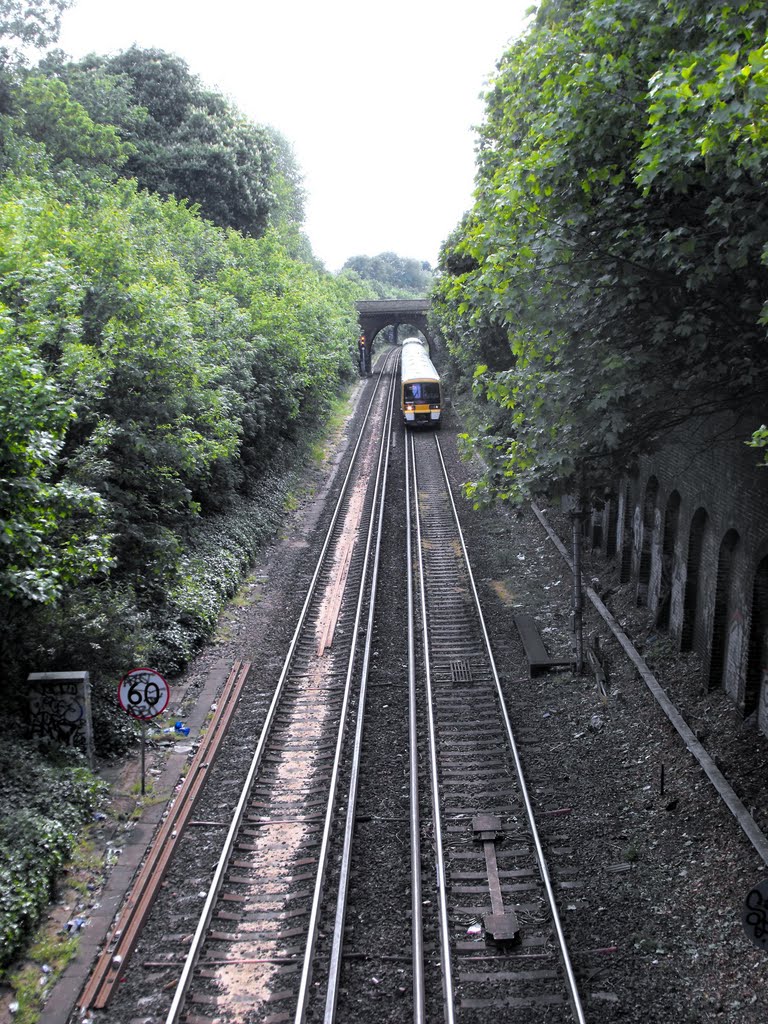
376 314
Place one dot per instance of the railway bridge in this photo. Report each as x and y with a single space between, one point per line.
376 314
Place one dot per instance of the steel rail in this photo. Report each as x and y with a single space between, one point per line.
380 495
445 937
417 936
565 959
203 925
131 917
325 842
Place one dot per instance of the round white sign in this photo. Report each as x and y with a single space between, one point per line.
143 693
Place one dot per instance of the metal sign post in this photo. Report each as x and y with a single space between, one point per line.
143 693
143 754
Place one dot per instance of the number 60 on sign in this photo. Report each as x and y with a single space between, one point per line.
143 693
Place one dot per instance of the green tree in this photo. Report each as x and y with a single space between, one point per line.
190 142
193 144
391 275
289 196
157 369
108 98
50 116
32 22
49 528
617 239
23 23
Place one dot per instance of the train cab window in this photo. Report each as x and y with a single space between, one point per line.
422 391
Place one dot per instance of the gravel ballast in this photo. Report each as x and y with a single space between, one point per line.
662 864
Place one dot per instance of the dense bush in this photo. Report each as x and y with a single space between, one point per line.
45 802
160 364
222 548
609 283
160 367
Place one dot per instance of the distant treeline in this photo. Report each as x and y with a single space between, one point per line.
392 276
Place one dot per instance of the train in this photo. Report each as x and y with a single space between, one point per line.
421 393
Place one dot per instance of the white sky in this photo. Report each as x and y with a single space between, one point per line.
379 101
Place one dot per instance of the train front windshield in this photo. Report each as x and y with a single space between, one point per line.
422 391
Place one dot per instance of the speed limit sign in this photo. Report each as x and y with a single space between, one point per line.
143 693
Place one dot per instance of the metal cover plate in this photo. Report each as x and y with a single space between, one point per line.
461 672
501 927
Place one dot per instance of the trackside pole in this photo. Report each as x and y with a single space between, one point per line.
577 518
143 755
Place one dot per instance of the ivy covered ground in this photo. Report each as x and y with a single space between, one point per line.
45 800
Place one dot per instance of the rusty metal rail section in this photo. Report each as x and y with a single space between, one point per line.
130 919
501 933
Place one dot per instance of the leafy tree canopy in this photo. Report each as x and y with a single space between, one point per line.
108 97
32 22
611 275
154 364
391 275
71 138
24 24
49 533
188 141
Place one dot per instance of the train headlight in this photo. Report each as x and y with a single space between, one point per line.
410 406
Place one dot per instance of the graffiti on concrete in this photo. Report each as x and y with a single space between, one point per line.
60 709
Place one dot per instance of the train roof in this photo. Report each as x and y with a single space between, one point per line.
415 363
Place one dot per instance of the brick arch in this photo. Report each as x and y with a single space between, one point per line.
757 659
693 579
646 539
611 524
375 315
724 599
670 530
624 538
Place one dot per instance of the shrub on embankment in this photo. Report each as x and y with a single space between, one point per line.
160 372
158 378
155 370
44 803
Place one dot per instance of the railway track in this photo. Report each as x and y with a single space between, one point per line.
272 941
108 970
386 774
494 882
432 818
253 954
252 949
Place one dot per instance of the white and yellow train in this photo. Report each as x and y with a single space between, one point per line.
421 394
